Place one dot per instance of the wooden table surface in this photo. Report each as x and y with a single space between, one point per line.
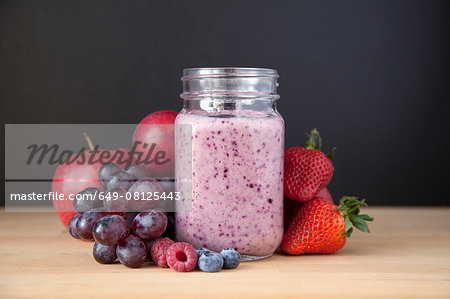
406 255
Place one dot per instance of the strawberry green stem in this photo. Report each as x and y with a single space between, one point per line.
313 140
349 209
330 155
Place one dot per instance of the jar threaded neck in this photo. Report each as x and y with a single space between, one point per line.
229 82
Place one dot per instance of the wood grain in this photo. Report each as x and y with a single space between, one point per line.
406 255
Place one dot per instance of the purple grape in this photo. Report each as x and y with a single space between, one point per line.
150 225
110 229
129 217
131 251
168 185
143 194
121 179
104 254
138 171
73 226
116 200
86 223
106 172
87 199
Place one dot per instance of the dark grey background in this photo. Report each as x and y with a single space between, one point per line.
372 76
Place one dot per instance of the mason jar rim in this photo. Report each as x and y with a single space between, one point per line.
227 72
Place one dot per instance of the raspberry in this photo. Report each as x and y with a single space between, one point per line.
158 251
181 257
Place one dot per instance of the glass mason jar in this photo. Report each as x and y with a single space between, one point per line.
229 163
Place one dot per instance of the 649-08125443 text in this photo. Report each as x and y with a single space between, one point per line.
50 196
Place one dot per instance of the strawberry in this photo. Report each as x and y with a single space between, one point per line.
322 227
307 170
291 207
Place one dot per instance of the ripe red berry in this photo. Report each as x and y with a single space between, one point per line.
307 170
322 227
181 257
158 251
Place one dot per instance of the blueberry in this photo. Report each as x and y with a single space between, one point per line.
231 258
210 261
201 251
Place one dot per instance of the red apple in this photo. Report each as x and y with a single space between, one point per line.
154 139
73 178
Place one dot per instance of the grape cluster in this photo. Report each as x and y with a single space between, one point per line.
131 230
122 227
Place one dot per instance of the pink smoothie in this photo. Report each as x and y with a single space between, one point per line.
237 181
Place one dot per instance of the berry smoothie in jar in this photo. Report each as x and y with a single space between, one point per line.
229 146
